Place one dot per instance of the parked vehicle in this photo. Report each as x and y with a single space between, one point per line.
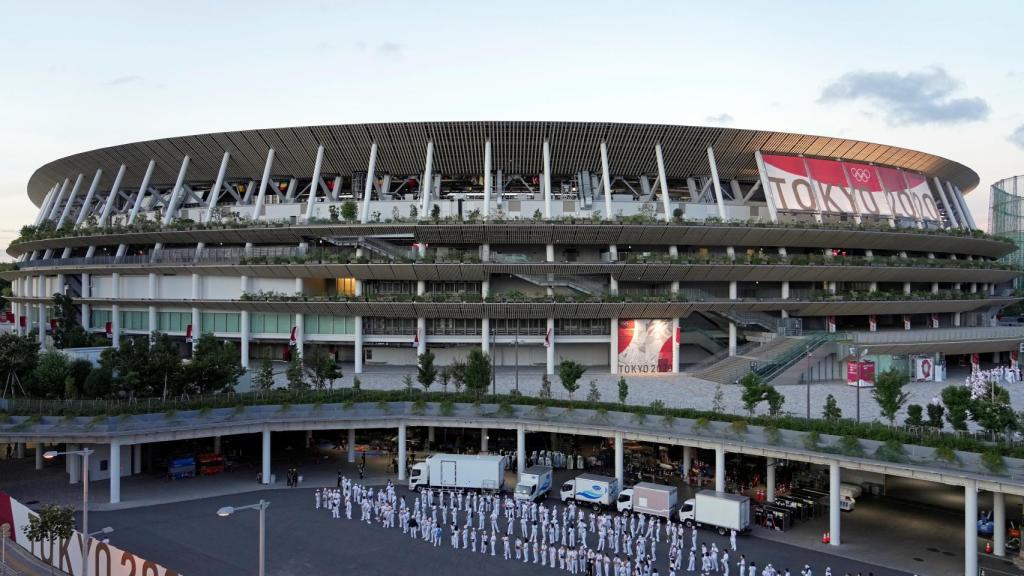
472 471
719 510
651 499
210 464
534 483
180 468
591 489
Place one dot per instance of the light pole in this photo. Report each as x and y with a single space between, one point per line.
860 367
808 352
262 507
84 453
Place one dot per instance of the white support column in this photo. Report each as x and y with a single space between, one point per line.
520 449
257 208
58 204
41 293
999 524
428 182
358 345
300 324
19 450
73 464
401 451
732 338
430 435
483 440
71 200
606 180
115 471
87 203
485 323
613 347
136 458
547 179
834 479
487 179
265 461
171 210
351 445
243 321
368 188
218 185
197 324
619 457
675 345
39 455
965 210
954 222
44 208
970 526
115 310
770 480
143 189
720 469
719 199
108 206
550 332
666 202
314 184
687 462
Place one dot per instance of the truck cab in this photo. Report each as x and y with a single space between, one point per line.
534 483
625 500
419 476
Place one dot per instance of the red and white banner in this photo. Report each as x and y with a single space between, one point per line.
645 346
66 555
860 372
975 362
547 338
109 329
23 321
873 323
924 368
1014 359
188 334
798 184
416 338
292 341
935 320
906 321
830 322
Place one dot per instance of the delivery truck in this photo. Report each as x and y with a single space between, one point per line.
474 472
534 483
651 499
591 489
717 510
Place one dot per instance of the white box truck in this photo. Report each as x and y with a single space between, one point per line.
591 489
718 510
534 483
651 499
472 471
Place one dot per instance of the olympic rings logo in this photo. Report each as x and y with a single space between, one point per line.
860 174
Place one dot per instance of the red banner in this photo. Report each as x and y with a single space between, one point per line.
862 371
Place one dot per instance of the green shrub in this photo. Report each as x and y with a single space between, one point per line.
850 445
993 461
892 450
946 454
738 427
812 440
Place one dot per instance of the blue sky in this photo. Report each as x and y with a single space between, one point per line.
943 77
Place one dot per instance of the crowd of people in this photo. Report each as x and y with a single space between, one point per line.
566 538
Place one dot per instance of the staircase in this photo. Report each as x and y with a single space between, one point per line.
376 245
747 318
580 284
707 340
769 359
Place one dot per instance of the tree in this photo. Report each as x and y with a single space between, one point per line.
78 372
349 211
992 410
478 371
957 400
435 212
915 416
18 355
623 390
52 523
457 370
263 379
775 400
888 393
446 377
48 377
426 372
570 372
594 395
718 400
321 368
935 413
99 383
545 387
753 392
832 411
215 367
295 373
68 331
143 368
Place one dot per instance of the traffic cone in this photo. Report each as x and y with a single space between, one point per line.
988 547
825 538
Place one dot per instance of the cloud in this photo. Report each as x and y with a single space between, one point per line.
720 119
389 49
913 98
1017 137
125 80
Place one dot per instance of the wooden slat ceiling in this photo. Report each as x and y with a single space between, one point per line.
458 150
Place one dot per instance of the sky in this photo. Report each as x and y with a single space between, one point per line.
938 76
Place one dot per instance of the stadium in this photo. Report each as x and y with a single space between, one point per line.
630 248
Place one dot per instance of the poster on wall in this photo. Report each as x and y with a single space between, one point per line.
798 184
645 346
66 555
873 323
924 368
860 373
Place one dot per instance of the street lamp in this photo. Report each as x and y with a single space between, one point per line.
262 507
859 353
84 453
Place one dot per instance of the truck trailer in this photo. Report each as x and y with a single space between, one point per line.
651 499
534 483
721 511
591 489
474 472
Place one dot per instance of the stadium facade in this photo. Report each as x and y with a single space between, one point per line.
1006 215
639 248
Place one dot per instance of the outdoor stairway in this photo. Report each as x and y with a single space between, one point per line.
580 284
375 244
729 369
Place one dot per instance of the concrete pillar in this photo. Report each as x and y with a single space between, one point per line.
675 345
351 445
115 311
970 526
613 347
956 319
216 444
266 457
359 344
39 455
995 357
720 469
550 335
421 334
999 524
733 290
619 456
485 335
483 440
520 449
770 480
833 503
906 287
401 452
73 465
19 450
430 434
136 458
115 472
687 461
732 338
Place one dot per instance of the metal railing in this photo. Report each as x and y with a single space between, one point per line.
936 335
